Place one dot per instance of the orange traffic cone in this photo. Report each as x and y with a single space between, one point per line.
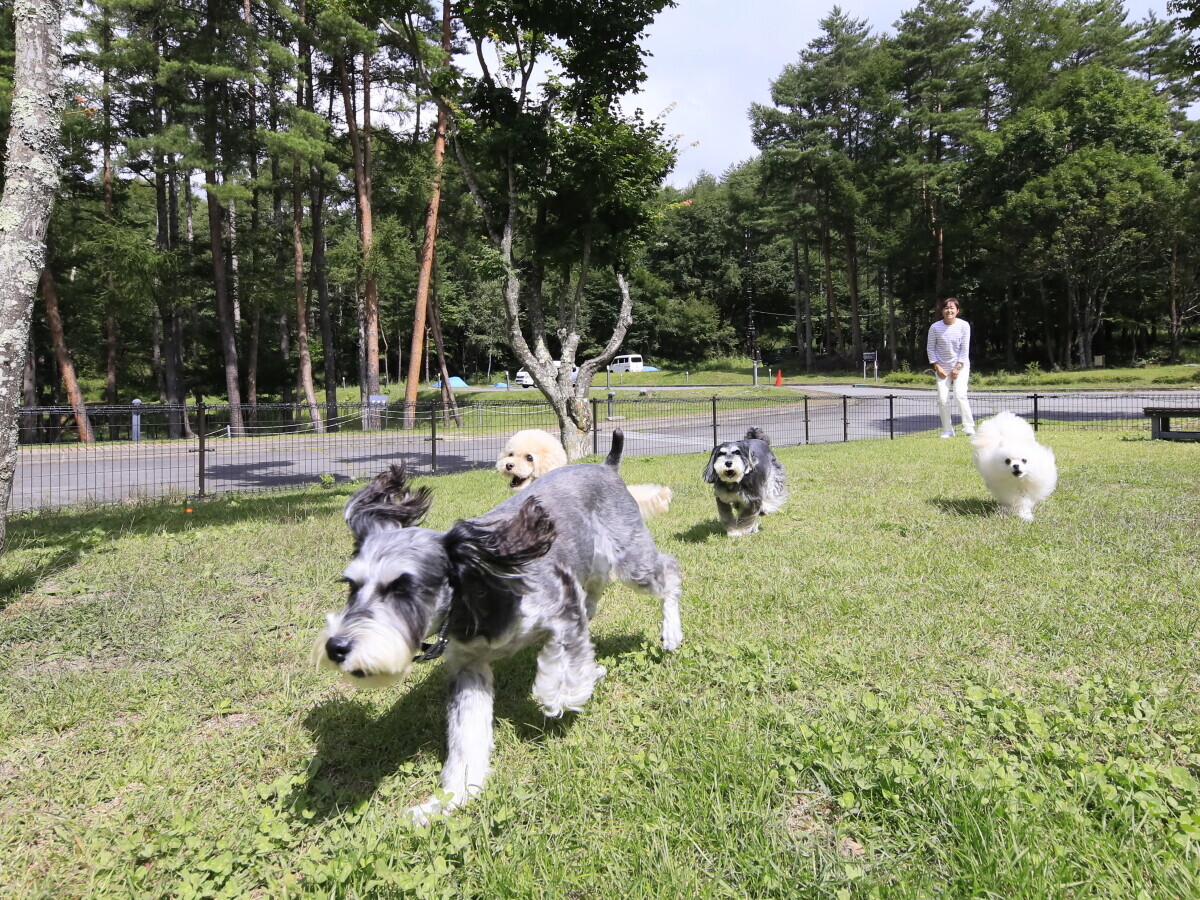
779 378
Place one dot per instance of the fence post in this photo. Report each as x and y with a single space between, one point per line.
714 405
891 416
135 427
200 451
1035 412
433 435
845 418
595 427
806 440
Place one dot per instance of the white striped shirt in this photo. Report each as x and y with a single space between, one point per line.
949 344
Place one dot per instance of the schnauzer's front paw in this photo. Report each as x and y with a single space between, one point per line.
440 804
672 636
568 695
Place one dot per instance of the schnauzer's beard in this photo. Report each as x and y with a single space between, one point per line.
380 653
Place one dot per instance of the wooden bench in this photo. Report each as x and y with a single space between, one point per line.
1160 422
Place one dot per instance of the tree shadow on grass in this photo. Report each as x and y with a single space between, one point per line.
966 506
60 539
356 750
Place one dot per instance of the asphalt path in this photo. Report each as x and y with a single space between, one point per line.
116 472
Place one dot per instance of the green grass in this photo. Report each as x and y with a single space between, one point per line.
1148 377
891 691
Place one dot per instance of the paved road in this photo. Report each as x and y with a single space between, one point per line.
113 472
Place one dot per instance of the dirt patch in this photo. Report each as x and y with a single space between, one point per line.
227 724
810 815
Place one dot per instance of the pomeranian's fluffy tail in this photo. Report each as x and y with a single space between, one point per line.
1006 424
652 499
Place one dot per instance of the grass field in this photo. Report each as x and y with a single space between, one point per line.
892 691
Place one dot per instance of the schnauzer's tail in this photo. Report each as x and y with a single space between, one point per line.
757 434
613 460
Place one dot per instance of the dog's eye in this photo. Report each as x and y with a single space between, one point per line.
528 458
1008 462
401 585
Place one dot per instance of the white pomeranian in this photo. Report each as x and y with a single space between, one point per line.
1018 470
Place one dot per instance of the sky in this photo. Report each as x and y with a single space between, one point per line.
713 58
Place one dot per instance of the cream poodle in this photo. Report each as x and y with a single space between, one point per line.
528 455
531 453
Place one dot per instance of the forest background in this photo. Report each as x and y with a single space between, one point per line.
247 191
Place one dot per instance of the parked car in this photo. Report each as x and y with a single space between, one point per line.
524 379
629 363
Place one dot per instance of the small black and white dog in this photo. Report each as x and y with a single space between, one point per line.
533 568
748 481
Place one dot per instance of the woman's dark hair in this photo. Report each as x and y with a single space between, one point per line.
941 304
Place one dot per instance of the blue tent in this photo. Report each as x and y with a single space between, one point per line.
455 382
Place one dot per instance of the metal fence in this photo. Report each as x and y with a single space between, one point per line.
148 451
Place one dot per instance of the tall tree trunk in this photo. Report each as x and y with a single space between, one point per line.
110 308
66 365
166 199
1010 337
427 249
831 309
1048 323
802 285
305 373
31 177
449 403
224 304
893 347
111 343
1176 318
252 358
317 271
224 308
852 285
360 147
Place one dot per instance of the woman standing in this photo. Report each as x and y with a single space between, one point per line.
949 349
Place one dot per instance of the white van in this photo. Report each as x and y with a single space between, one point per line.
524 379
630 363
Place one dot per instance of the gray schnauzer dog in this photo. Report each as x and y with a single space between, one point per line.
531 569
748 481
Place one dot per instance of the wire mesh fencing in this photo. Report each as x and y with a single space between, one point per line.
153 451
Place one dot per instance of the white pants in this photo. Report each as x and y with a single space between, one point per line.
960 394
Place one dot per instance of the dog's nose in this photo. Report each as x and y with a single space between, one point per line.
337 648
508 467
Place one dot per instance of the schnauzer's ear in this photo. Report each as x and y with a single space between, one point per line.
486 561
751 463
504 547
387 502
710 471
